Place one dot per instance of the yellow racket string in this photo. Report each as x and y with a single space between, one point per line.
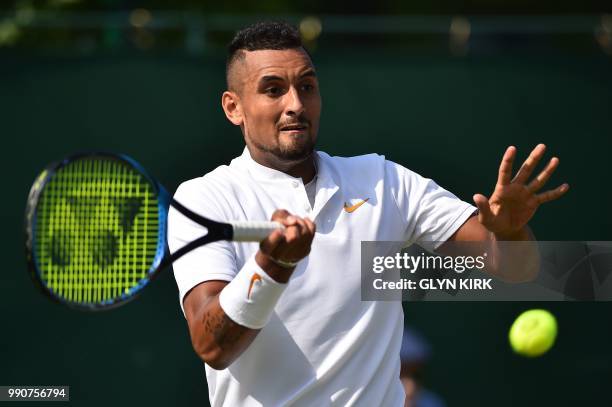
97 230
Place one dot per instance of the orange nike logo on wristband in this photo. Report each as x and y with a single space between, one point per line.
353 208
255 277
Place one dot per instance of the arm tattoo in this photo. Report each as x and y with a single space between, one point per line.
225 331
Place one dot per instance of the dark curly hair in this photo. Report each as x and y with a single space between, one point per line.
262 35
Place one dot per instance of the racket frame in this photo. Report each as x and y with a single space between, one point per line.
242 231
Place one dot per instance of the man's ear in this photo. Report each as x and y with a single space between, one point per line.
230 101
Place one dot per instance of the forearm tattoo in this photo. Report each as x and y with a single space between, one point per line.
225 331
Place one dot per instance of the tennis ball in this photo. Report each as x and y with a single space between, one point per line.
533 332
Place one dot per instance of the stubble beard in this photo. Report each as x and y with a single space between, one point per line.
297 149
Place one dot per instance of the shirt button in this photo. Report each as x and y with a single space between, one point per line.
295 184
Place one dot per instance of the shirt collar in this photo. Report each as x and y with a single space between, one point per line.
327 184
263 173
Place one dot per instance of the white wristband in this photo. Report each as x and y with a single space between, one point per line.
249 299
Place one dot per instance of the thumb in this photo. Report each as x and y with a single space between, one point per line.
482 203
270 243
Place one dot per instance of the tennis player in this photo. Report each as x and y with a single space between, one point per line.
281 322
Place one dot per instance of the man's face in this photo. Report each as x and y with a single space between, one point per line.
279 103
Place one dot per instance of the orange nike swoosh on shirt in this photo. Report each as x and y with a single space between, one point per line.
353 208
255 277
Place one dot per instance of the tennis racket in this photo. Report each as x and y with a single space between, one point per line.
95 227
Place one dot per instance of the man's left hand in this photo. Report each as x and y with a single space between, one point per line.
515 200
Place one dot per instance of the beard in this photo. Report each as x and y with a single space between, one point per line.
289 148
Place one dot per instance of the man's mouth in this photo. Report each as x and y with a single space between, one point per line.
294 128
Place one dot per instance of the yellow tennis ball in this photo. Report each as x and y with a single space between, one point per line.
533 332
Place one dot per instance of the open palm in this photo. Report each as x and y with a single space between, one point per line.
515 201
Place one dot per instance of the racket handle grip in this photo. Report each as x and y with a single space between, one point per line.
250 231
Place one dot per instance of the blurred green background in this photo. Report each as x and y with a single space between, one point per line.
440 93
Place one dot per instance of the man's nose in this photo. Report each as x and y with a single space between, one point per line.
295 107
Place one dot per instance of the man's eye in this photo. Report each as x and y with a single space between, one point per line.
273 91
308 87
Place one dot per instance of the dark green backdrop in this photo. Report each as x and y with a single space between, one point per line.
447 118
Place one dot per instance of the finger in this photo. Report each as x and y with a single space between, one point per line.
301 227
484 209
279 215
307 229
293 232
312 227
505 168
273 240
290 221
552 194
542 177
530 163
301 222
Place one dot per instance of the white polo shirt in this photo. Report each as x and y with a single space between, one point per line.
323 345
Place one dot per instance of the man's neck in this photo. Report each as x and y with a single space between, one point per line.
305 168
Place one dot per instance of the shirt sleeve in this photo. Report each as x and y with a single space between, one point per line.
213 261
431 214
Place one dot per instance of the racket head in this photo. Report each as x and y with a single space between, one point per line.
95 228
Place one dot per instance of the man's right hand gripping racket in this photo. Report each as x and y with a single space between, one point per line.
95 227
